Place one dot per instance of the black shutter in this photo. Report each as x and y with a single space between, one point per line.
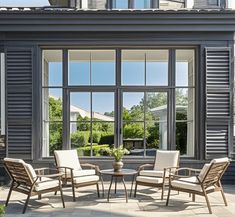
19 67
218 102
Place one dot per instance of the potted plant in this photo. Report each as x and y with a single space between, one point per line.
118 154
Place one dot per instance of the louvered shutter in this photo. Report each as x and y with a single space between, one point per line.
217 101
19 66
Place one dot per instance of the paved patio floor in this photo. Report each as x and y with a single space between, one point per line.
147 203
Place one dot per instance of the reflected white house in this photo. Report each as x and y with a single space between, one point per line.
75 112
161 114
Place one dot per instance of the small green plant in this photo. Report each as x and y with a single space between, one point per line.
2 210
117 153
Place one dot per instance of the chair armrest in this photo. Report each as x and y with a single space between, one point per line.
41 171
51 175
189 170
65 168
144 166
175 177
92 166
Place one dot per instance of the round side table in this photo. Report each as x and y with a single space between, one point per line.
121 174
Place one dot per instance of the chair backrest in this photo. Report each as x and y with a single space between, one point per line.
212 173
67 158
166 159
19 171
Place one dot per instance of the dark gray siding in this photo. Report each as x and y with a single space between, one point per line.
19 65
218 119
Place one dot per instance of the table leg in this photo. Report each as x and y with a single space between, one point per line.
102 183
133 178
111 182
115 191
123 181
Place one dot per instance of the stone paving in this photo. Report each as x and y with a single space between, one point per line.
147 203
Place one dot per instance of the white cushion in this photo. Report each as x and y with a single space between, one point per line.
220 160
203 172
166 159
190 184
84 179
67 158
31 171
78 173
46 183
153 173
148 179
14 160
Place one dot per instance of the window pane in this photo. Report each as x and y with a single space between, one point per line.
103 67
120 4
52 68
142 4
185 121
103 106
157 67
79 67
133 67
102 137
80 137
80 106
133 109
156 121
92 67
52 118
133 137
185 67
52 138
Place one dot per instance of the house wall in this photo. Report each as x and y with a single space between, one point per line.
23 41
24 127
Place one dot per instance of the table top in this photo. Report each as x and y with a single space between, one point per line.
123 172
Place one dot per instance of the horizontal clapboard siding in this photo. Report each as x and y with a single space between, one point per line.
19 66
218 103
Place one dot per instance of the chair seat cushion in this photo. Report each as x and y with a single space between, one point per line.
189 183
78 173
84 179
153 173
46 183
149 179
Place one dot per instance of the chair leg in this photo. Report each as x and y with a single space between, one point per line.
135 189
193 197
98 190
26 203
224 198
162 195
223 195
208 203
39 197
61 194
9 194
55 193
168 196
73 189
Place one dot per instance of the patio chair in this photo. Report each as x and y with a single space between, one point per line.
25 180
74 175
166 162
206 182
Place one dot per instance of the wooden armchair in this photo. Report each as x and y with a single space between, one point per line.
166 162
75 176
25 180
207 181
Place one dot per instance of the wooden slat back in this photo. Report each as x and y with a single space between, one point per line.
18 173
214 174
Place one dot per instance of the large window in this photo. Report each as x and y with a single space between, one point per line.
98 98
135 4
